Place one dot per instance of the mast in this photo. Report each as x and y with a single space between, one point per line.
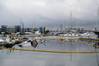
71 18
22 26
97 13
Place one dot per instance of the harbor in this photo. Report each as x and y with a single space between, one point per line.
48 50
51 52
47 47
49 32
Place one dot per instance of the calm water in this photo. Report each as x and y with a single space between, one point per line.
28 58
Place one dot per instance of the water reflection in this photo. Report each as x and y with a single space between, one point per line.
54 61
19 58
96 45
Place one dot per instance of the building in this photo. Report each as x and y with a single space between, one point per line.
28 29
17 28
4 28
42 30
11 30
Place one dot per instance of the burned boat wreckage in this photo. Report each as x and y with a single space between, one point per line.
10 42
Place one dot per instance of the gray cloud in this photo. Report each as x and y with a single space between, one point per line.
45 12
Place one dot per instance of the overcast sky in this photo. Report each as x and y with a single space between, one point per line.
48 12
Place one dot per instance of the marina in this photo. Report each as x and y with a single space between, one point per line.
49 32
72 48
53 53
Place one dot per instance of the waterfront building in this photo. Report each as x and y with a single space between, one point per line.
11 30
42 30
4 28
17 28
28 29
